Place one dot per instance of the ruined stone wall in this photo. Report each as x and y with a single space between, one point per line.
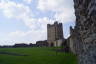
85 29
75 42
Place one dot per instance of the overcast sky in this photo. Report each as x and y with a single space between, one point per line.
25 21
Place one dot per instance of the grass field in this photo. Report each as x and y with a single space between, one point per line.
36 56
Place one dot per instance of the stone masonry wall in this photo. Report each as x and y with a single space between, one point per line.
85 29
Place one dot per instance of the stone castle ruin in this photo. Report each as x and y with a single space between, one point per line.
82 40
55 34
83 36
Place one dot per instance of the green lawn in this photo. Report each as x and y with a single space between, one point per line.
36 56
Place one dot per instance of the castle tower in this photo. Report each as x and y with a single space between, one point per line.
55 34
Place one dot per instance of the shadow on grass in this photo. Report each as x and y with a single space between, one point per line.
14 54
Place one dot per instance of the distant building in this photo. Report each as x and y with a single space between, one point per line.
42 43
55 34
21 45
24 45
